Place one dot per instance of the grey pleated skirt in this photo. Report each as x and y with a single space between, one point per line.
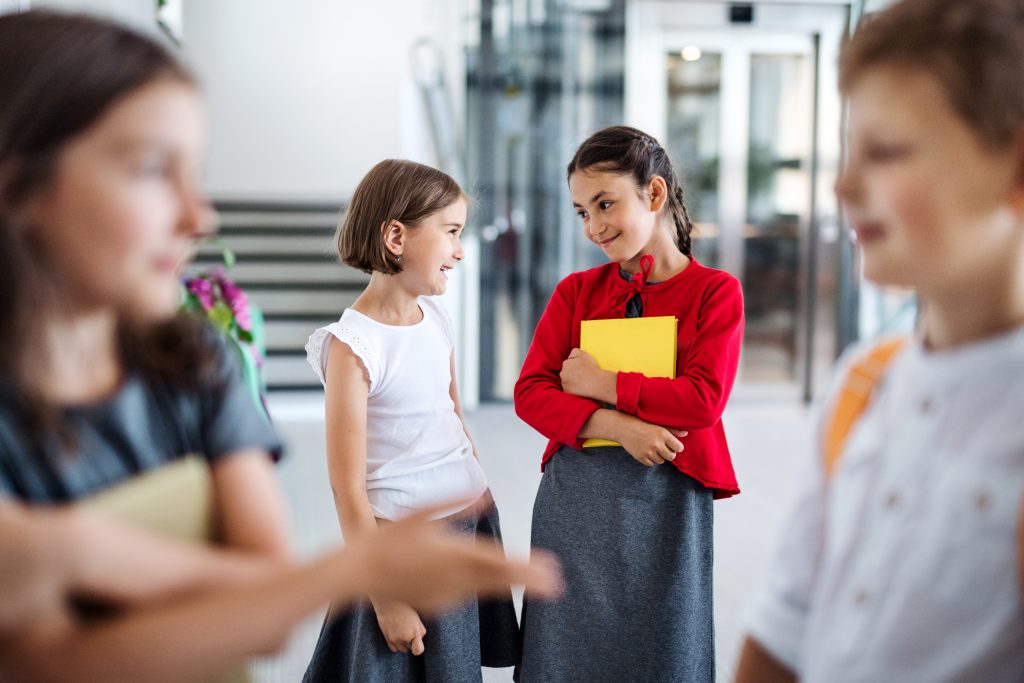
352 649
635 545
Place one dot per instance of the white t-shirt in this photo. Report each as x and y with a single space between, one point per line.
903 566
417 451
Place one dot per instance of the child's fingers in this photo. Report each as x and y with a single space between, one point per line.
674 444
416 646
542 575
492 574
647 460
661 454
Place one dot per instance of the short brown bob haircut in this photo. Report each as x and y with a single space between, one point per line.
973 48
393 190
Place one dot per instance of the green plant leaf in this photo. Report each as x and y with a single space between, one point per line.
221 316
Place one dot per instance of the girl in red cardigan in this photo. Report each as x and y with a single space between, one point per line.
631 523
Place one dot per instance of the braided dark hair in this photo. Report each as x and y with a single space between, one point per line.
621 149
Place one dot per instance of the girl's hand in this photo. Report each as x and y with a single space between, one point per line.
420 563
650 444
402 627
582 376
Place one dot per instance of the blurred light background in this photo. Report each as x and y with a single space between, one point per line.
303 97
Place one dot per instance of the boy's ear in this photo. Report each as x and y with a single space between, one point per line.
394 236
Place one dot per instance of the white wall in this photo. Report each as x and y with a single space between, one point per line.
304 97
12 5
138 13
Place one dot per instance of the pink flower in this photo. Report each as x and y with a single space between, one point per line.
237 301
203 290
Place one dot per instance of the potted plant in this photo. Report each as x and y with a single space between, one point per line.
215 296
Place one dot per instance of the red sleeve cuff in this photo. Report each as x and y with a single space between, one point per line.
574 423
627 392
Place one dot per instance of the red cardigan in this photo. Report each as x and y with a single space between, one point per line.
709 306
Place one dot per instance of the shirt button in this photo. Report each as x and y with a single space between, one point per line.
860 597
982 500
892 500
926 406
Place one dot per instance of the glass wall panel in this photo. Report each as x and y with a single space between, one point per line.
541 76
693 118
778 202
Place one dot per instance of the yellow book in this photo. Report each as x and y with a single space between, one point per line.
177 501
644 345
174 500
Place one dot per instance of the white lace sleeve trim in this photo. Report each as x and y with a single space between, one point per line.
319 345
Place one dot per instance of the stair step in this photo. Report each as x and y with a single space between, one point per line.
285 261
290 371
324 273
292 335
256 220
206 259
328 302
283 243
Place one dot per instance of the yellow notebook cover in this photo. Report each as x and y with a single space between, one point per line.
175 500
644 345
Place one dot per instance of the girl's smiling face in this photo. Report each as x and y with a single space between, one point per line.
616 217
119 215
932 206
433 248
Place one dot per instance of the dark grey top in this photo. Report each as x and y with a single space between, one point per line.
139 428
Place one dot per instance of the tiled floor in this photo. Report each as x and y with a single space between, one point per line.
768 436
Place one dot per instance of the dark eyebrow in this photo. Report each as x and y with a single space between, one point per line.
592 199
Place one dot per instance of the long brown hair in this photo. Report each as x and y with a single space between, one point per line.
621 149
60 74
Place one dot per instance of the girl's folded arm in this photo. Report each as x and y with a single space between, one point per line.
115 562
539 399
697 397
87 554
199 636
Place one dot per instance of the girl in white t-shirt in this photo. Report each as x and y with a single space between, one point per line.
396 438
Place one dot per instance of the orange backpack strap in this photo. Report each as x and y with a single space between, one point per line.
853 397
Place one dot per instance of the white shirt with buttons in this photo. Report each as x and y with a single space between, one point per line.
903 566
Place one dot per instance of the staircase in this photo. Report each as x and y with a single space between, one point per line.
286 264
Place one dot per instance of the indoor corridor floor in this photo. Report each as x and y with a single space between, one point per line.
769 439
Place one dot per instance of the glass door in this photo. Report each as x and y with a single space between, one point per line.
740 110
